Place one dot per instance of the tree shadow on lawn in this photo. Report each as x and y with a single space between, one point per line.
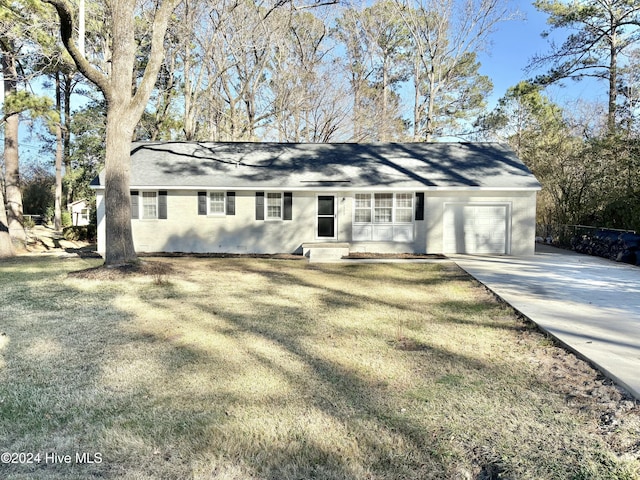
73 379
350 397
217 391
389 443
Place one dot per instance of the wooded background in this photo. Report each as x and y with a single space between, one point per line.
280 70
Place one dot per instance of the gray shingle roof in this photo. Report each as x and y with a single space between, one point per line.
295 166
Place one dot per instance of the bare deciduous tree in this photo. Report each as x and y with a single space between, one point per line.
126 100
375 43
446 36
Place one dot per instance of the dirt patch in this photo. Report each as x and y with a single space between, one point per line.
616 413
276 256
409 256
43 239
157 270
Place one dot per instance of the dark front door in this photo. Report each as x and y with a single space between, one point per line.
326 216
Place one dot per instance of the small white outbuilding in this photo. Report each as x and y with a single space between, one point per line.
80 211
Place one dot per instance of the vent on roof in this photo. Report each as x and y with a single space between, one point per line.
325 181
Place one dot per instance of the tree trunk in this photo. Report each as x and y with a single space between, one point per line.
6 245
429 127
613 84
11 158
385 101
119 236
57 204
57 207
416 100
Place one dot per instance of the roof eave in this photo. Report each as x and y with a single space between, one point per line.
324 188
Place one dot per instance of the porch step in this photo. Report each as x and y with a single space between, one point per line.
325 252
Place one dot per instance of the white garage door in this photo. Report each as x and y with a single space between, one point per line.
475 228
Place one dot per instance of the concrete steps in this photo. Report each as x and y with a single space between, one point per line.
325 252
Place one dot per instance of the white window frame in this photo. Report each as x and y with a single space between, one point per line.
224 203
410 208
141 207
378 208
268 195
394 208
366 209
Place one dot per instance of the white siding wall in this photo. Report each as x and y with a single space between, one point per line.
523 217
101 228
186 231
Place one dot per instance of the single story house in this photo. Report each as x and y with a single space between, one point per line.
475 198
80 211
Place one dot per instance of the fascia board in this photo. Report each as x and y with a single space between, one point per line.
423 188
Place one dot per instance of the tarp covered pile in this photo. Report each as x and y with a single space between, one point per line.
621 247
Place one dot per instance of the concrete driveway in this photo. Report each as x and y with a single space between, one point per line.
589 304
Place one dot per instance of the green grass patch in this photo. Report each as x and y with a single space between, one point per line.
271 369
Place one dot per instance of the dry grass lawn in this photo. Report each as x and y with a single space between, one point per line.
274 369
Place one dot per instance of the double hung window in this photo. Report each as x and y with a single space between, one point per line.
274 206
383 217
363 208
404 208
149 205
382 208
217 204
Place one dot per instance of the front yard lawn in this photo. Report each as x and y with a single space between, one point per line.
275 369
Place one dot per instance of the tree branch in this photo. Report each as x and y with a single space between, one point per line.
156 55
66 32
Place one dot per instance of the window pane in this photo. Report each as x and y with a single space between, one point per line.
383 215
363 215
363 200
274 205
149 205
325 205
384 200
404 200
216 203
404 215
325 227
383 208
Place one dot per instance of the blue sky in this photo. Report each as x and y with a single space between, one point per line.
514 44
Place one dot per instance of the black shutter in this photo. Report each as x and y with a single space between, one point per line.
135 209
259 205
162 204
202 203
420 206
231 203
287 213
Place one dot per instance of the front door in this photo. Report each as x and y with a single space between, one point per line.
326 216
